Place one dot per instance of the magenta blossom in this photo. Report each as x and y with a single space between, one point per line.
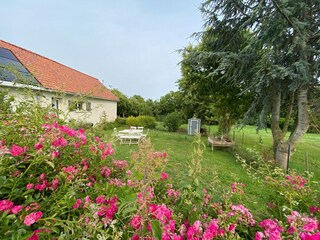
136 221
16 150
32 218
16 209
38 146
164 176
77 204
5 205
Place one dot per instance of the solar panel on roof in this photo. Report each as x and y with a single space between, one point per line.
7 54
11 70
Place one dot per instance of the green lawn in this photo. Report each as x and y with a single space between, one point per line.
220 168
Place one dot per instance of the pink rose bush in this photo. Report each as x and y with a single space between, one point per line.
62 181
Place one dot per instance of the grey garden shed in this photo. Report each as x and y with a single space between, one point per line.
194 126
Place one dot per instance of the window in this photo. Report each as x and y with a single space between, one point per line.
75 106
55 103
88 106
79 106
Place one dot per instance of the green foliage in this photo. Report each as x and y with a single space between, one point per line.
143 121
5 102
132 121
135 105
80 124
270 50
171 102
124 105
206 95
293 192
172 121
106 125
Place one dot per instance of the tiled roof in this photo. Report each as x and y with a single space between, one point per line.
58 77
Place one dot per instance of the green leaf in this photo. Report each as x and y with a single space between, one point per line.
129 210
131 197
51 164
11 216
138 175
27 192
156 229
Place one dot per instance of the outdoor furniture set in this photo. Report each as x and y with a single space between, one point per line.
134 135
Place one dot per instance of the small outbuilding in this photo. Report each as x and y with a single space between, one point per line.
194 126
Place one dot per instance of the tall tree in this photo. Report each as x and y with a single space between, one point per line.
280 61
207 95
171 102
124 105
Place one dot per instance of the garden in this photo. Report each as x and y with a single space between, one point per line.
63 182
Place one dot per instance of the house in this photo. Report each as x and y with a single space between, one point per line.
73 93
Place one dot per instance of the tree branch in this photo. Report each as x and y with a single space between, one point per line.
286 17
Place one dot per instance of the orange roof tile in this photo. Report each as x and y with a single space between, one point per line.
55 76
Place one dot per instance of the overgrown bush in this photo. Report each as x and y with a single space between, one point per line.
143 121
103 124
80 124
5 102
172 121
132 121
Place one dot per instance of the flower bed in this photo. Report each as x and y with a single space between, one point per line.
62 183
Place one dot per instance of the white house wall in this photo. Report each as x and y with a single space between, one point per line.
99 107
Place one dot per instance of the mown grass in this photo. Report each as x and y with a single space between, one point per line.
220 168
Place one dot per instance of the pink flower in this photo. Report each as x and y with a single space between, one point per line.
136 221
258 236
212 230
54 154
100 199
16 209
5 205
55 183
16 150
164 176
35 236
309 236
77 204
105 171
32 218
42 176
313 209
40 187
310 224
38 146
135 237
60 142
272 229
29 186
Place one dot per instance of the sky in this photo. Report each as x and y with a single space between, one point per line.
130 45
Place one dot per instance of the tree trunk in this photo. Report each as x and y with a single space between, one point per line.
281 155
280 146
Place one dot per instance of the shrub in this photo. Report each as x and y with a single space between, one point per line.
132 121
81 124
120 121
147 121
143 121
172 121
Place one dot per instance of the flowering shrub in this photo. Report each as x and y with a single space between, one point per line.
63 183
